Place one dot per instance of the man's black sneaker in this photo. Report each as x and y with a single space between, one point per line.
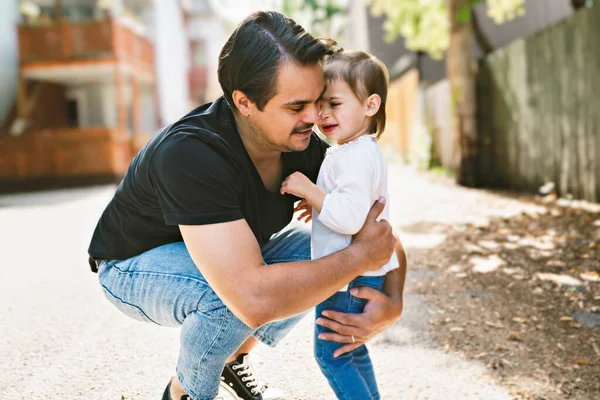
167 393
241 381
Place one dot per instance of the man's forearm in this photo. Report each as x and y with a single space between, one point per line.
395 279
285 289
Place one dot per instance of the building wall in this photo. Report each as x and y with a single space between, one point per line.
400 113
539 14
438 120
356 32
8 57
148 111
91 102
210 29
171 57
538 110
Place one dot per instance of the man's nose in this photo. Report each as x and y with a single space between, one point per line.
312 115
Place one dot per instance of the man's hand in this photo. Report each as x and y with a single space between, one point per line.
300 186
375 238
380 312
306 210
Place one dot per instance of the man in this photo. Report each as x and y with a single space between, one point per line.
197 233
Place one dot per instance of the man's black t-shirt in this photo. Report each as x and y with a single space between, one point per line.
195 172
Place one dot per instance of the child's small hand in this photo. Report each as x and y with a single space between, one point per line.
297 184
306 211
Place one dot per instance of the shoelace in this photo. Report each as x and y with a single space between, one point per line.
248 376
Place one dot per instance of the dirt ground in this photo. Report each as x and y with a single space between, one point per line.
520 293
472 286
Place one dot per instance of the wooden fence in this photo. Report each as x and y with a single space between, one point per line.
539 110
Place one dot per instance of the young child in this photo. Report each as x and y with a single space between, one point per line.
352 177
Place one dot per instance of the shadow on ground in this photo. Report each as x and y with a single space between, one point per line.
521 294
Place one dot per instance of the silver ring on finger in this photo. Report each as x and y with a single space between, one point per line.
353 340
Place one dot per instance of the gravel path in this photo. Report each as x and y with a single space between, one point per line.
62 340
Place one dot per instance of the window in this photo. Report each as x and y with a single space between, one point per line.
73 112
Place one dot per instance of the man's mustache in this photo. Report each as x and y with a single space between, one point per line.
303 127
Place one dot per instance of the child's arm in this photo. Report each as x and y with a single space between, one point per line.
299 185
345 208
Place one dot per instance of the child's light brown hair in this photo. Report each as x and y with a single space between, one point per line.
364 73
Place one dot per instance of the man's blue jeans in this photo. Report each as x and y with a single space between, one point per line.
164 286
350 375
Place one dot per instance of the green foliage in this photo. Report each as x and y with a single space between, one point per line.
318 16
425 24
505 10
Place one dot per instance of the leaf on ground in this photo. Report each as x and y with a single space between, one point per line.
566 319
457 329
582 361
494 324
519 320
561 279
556 263
514 336
487 264
575 325
501 348
496 363
591 276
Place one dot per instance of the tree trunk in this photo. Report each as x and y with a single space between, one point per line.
461 69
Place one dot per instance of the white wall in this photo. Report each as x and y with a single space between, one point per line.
147 111
212 31
92 103
355 35
9 67
438 114
171 56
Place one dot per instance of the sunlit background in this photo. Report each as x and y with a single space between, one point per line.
500 94
85 83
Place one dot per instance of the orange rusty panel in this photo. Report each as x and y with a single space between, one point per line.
66 41
13 164
26 156
83 158
138 142
400 112
92 39
121 155
69 135
40 43
66 152
40 157
50 107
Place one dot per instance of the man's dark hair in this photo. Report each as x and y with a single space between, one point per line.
262 43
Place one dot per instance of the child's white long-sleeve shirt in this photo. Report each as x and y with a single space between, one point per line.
353 176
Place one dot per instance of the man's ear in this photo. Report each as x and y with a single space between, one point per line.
242 102
372 103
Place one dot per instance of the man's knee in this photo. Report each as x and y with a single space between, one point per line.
208 339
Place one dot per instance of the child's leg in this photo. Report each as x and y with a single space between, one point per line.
342 374
361 357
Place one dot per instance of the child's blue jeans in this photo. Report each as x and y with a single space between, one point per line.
350 375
